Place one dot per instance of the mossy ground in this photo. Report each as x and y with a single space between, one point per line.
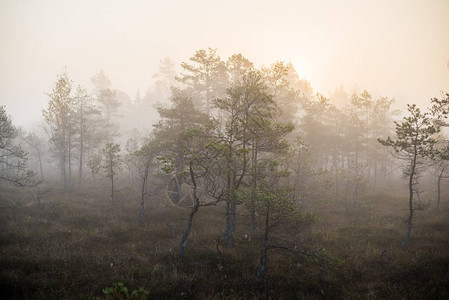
76 244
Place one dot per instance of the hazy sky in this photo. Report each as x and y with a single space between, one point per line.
391 48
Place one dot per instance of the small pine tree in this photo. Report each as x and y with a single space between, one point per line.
109 161
414 141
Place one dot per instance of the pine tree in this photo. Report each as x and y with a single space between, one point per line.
59 117
414 141
205 77
13 160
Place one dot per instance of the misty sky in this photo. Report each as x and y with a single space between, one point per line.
391 48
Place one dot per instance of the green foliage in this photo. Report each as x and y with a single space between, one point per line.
414 142
440 113
414 136
13 160
284 85
87 123
119 291
58 115
205 77
111 160
440 109
172 130
238 66
280 203
146 157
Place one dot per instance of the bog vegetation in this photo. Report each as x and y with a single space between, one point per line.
247 185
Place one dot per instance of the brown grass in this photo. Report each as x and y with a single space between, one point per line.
74 245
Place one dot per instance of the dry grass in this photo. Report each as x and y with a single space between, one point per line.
75 245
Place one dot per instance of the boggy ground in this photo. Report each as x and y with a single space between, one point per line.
76 244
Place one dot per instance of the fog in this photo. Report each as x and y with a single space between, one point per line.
232 150
394 49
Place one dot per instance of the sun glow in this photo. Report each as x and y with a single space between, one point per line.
302 68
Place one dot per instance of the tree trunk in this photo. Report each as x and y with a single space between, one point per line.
193 211
375 168
228 223
70 159
348 181
230 219
232 225
410 201
142 203
264 254
38 196
207 96
335 169
112 189
252 225
440 176
409 230
356 191
63 173
355 196
228 236
80 172
185 236
439 189
39 155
